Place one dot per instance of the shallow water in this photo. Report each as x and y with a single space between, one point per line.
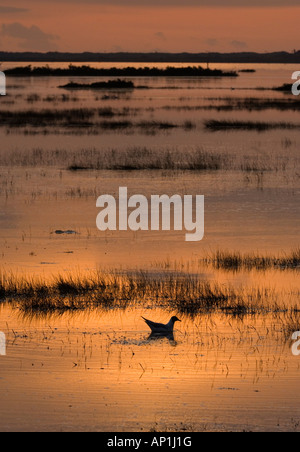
98 370
242 213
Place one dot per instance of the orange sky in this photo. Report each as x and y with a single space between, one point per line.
96 26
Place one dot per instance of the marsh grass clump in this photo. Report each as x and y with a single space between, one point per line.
72 285
110 85
185 293
32 98
259 126
256 104
12 285
162 125
81 121
205 161
236 261
290 322
49 118
61 98
139 158
45 117
213 297
63 293
293 259
252 104
196 296
115 125
230 104
50 304
107 112
247 71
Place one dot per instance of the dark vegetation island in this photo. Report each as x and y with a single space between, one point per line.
111 84
88 71
286 88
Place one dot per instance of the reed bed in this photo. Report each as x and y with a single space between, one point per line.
145 158
215 125
155 159
132 158
185 293
84 119
45 117
236 104
227 260
59 117
50 98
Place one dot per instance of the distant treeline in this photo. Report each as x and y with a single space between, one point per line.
87 71
155 57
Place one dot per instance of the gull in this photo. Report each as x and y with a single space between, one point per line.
160 328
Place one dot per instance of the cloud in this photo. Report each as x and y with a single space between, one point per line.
240 45
160 35
117 48
211 42
12 10
30 38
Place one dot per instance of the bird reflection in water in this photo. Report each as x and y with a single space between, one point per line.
161 336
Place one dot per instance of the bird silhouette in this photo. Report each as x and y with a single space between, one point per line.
160 328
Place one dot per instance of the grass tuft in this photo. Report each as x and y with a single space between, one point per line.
215 125
227 260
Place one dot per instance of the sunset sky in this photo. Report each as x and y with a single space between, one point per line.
149 25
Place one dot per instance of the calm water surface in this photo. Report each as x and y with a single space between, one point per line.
99 370
102 372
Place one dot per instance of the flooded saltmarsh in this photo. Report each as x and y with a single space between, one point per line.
78 354
102 372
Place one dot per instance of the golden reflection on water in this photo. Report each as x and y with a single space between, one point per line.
101 371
